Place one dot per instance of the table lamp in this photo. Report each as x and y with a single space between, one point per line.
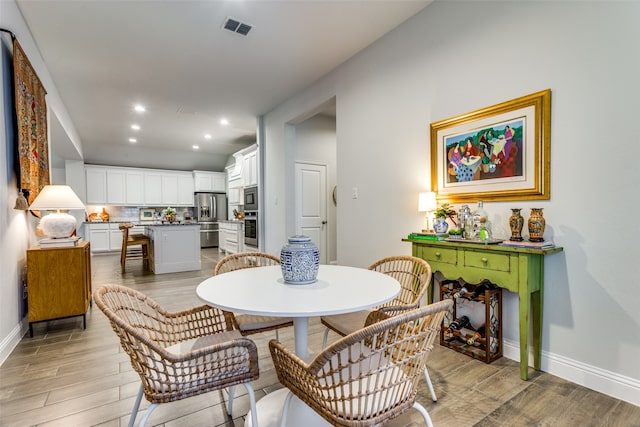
427 203
57 198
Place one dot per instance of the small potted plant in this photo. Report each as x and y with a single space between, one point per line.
442 213
169 214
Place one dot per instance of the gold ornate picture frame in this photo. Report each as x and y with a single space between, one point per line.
497 153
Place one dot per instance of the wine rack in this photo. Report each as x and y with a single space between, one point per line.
487 348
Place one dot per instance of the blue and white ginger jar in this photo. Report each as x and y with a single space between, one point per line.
300 260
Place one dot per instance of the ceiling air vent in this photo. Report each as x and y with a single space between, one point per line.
236 26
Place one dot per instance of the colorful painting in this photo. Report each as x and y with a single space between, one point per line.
490 153
31 111
497 153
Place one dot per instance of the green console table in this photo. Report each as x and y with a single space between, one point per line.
515 269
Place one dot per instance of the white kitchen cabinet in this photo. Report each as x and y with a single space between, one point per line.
98 235
115 237
96 180
116 187
231 239
210 181
135 187
152 188
174 248
169 189
185 189
250 167
107 237
234 196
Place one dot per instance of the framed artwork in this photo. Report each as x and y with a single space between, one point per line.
498 153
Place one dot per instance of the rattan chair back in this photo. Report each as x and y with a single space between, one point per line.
149 334
413 274
369 376
245 260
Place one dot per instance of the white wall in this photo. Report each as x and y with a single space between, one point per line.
456 57
17 228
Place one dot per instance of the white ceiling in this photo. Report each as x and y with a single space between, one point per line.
174 57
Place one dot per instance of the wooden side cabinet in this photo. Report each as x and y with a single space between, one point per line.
58 283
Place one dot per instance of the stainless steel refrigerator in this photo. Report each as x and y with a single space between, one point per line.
210 208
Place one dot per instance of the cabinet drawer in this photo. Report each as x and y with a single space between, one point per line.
487 261
444 255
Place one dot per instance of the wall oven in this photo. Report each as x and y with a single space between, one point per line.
251 198
251 229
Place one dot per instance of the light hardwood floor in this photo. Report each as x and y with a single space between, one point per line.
67 376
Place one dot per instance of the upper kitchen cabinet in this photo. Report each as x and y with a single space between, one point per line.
152 188
168 188
250 166
96 179
117 186
134 193
215 182
186 189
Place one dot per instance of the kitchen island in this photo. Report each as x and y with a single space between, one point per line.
175 247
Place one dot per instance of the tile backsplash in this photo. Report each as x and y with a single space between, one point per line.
132 213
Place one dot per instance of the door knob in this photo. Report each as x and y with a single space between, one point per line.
324 222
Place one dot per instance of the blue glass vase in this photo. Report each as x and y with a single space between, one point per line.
300 260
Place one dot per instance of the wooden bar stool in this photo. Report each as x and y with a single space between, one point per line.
134 246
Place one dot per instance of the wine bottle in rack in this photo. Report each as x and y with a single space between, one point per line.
460 293
479 333
458 324
480 289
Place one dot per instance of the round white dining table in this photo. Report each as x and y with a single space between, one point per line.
263 291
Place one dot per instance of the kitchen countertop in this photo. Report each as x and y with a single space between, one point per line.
144 223
234 221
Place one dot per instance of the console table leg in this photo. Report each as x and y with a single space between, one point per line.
524 304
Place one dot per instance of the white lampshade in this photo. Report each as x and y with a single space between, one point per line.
57 197
427 202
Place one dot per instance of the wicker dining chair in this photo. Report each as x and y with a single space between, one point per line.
178 354
414 275
369 376
248 323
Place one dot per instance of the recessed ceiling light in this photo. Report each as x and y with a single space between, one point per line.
135 127
196 147
207 136
140 108
133 140
224 122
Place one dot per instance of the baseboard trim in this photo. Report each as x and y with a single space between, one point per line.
11 341
600 380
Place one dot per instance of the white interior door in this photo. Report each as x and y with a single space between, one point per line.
311 204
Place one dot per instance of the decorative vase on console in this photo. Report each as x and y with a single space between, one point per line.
440 225
442 213
299 260
536 225
516 222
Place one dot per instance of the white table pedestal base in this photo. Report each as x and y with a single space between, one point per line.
269 411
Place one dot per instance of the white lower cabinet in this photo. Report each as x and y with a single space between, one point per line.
98 235
231 237
107 237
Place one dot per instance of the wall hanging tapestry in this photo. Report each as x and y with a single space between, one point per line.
31 110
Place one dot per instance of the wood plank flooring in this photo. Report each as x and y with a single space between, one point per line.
67 376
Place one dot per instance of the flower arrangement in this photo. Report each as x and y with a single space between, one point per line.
169 214
446 211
